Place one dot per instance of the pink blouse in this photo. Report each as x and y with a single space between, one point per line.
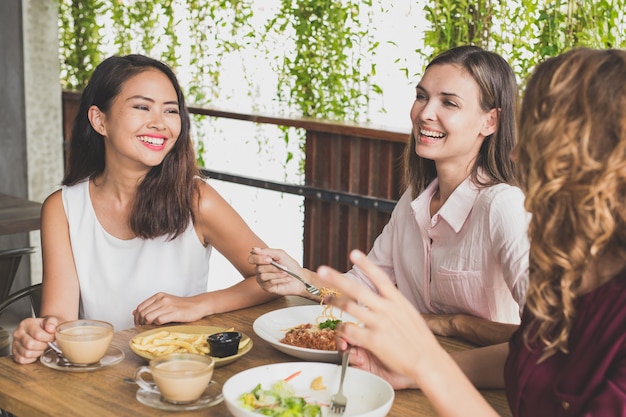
471 257
588 381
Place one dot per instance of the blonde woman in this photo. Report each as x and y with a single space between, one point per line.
568 358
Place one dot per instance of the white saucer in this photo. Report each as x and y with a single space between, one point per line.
112 357
211 396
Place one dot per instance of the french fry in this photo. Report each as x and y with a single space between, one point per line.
146 340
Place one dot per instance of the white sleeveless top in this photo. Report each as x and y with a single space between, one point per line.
116 275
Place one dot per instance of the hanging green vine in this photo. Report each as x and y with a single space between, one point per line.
458 22
323 75
136 28
325 72
525 31
80 37
122 27
170 55
214 31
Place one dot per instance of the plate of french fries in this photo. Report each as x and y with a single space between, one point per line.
174 339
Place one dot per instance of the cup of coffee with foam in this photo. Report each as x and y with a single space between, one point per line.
180 378
84 342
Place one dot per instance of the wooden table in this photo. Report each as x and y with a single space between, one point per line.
18 215
36 390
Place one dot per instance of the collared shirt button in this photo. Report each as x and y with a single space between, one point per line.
565 405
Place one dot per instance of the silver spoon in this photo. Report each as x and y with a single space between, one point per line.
62 359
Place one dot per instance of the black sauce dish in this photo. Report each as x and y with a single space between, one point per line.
224 344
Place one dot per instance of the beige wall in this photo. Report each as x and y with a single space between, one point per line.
42 91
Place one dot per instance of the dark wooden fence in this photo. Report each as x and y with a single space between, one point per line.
353 177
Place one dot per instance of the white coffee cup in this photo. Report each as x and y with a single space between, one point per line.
84 342
180 378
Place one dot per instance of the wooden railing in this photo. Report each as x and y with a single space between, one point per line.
353 177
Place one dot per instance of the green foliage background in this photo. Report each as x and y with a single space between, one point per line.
525 32
326 66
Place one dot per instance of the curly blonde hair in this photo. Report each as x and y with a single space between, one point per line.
571 162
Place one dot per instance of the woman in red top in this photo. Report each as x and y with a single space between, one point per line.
568 358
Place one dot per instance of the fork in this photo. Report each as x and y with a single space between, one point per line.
310 288
339 400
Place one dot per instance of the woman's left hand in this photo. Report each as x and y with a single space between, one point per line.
164 308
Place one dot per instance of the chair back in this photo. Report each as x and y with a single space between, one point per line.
9 262
32 291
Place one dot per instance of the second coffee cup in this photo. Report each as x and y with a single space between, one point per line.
181 378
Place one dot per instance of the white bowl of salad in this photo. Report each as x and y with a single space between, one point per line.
304 389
